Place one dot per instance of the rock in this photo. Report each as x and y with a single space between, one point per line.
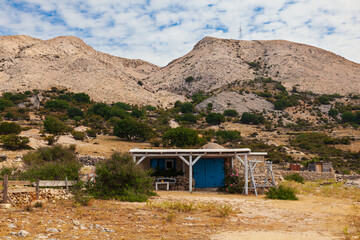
22 233
89 160
3 157
76 223
82 227
108 230
5 205
97 226
181 188
53 230
11 225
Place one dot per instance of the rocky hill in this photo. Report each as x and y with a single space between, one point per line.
214 63
28 63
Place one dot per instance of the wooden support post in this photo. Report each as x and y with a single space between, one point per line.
37 189
190 173
246 175
5 191
66 185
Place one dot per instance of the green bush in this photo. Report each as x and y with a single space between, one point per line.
181 137
81 194
137 113
215 118
78 135
189 117
252 118
231 113
52 171
294 177
5 104
81 98
233 182
333 112
75 112
229 135
122 105
14 142
189 79
56 153
132 129
55 126
51 163
9 128
281 192
57 105
120 178
187 107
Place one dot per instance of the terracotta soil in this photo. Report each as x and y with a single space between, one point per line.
253 218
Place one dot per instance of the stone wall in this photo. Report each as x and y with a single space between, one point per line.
89 160
309 175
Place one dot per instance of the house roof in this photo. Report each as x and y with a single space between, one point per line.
182 152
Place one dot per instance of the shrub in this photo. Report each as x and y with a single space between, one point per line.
122 105
51 163
81 194
66 97
101 109
187 107
52 171
9 128
215 118
189 117
281 192
55 126
91 133
294 177
78 135
231 113
233 183
177 104
229 135
137 113
181 137
14 142
251 118
75 112
189 79
132 129
81 97
5 104
57 105
120 178
333 112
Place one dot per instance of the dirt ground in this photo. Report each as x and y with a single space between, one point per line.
311 217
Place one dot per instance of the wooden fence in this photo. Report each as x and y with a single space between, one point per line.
29 187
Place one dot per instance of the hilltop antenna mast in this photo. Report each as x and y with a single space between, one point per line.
240 33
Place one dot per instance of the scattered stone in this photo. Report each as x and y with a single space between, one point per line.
53 230
12 225
76 223
22 233
3 157
82 227
108 230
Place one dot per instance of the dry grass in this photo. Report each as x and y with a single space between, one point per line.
326 189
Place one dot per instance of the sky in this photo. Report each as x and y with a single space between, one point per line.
159 31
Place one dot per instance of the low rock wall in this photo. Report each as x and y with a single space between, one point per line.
89 160
310 175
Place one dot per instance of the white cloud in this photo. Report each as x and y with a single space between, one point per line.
161 30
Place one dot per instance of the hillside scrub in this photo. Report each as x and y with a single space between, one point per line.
282 193
120 178
51 163
181 137
14 142
132 129
9 128
215 118
55 126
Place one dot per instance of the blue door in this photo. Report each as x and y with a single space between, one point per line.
209 173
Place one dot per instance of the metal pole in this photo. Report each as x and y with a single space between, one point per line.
37 189
246 175
190 173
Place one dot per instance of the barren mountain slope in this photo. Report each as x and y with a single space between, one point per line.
216 62
27 63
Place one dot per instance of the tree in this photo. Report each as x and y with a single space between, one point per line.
181 137
57 105
137 113
251 118
187 107
189 117
348 117
4 104
333 112
132 129
215 118
9 128
55 126
14 142
75 112
231 113
81 98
